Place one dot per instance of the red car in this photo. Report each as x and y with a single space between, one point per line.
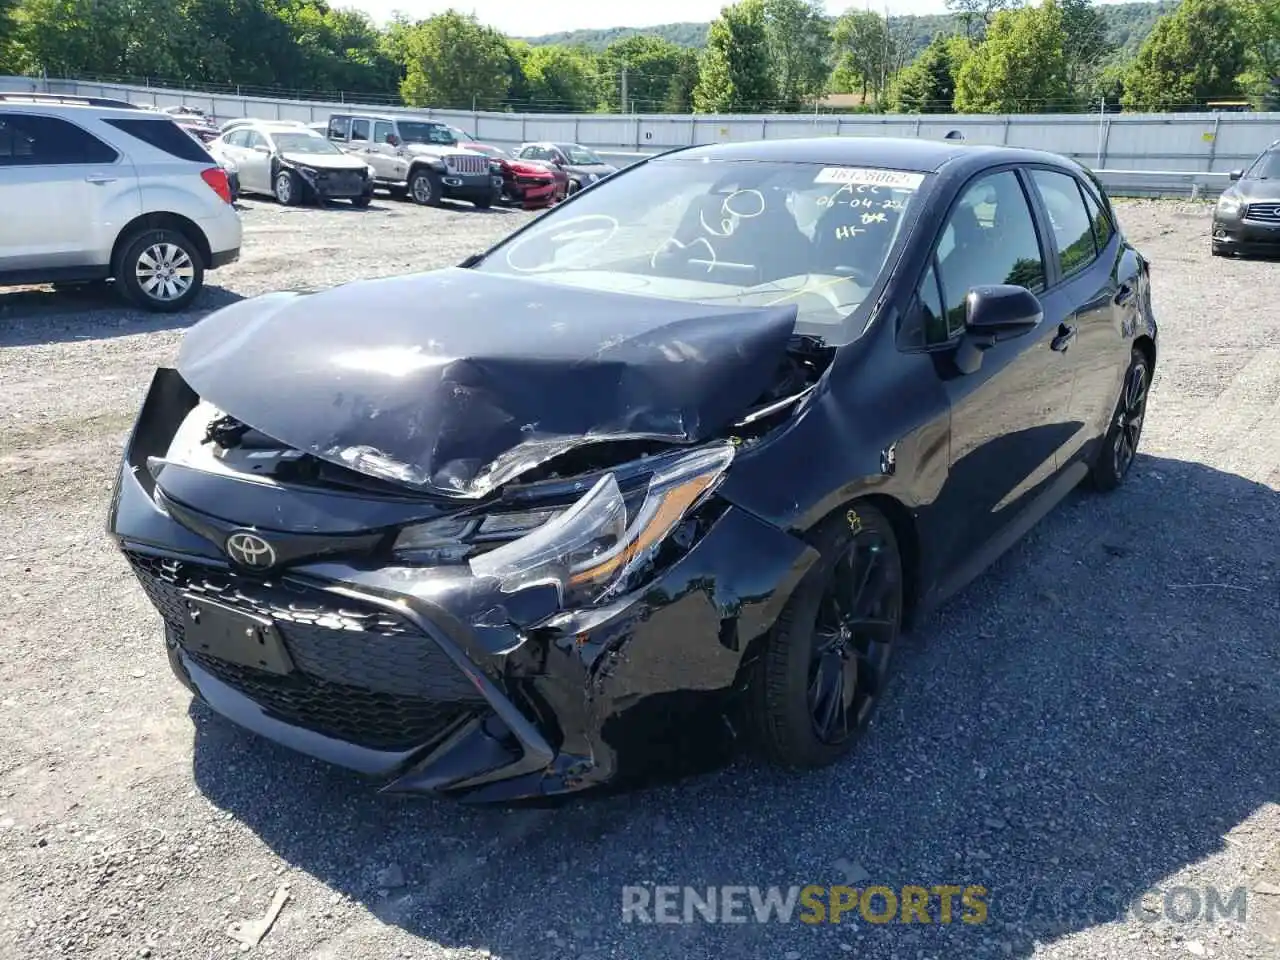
525 183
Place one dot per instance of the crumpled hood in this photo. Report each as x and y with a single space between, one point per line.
325 161
455 382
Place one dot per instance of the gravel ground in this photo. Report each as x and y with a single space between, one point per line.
1099 711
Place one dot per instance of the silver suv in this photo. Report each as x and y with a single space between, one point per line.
419 157
95 189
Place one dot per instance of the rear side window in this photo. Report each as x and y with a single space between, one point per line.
1072 227
360 130
164 135
27 140
1103 230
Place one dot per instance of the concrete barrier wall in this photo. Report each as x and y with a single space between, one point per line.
1149 153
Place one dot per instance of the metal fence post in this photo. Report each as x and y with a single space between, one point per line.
1213 144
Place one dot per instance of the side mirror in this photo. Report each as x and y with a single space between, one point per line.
393 140
1235 174
994 314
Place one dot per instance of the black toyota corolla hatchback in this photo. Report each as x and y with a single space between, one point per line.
674 464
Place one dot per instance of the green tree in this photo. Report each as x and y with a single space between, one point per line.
976 15
1021 66
734 75
651 65
928 85
561 79
684 79
70 37
9 47
454 61
798 38
1086 46
865 55
1262 50
1193 55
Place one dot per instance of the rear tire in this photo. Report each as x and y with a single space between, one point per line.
160 270
825 664
1119 447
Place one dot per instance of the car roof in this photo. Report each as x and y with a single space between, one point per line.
898 153
97 106
389 117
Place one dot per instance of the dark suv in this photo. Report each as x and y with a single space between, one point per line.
1247 218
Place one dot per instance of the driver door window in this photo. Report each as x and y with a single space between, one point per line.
380 133
990 238
360 131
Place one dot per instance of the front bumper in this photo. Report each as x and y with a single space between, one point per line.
338 184
1246 236
532 197
414 677
470 188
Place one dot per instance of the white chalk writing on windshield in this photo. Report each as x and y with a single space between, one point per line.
736 207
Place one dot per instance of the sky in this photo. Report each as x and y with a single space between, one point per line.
525 18
521 18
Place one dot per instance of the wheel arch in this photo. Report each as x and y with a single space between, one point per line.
161 221
906 533
1148 348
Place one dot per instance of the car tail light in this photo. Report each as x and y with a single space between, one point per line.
217 180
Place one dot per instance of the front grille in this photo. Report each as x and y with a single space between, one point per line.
533 181
1265 212
363 674
343 183
466 163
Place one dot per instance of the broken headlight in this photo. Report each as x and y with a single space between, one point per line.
455 537
591 549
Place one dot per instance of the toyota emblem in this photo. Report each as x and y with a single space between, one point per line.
250 550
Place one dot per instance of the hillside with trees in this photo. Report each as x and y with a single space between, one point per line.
982 56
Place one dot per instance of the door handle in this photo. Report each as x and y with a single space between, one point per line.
99 178
1066 335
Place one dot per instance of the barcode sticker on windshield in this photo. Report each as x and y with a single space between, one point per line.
893 179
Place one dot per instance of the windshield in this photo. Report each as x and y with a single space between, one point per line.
303 143
1266 167
742 232
578 154
414 132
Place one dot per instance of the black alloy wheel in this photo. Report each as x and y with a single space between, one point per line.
825 666
852 640
1120 445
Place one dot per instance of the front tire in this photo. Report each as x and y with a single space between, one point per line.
425 188
1120 444
160 270
825 664
287 188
